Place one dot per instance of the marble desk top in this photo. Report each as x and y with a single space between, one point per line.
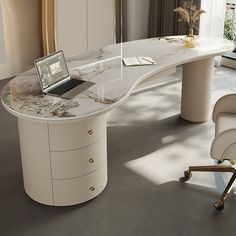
23 98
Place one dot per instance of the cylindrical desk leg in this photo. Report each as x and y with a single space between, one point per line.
196 90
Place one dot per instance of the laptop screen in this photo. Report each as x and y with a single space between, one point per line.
51 69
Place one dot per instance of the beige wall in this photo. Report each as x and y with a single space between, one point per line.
21 21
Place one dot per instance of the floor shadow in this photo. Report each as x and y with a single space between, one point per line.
143 138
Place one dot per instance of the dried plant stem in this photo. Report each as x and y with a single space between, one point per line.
189 14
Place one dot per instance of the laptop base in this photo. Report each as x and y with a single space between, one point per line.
75 91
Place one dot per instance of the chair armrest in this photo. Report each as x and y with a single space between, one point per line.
224 145
225 104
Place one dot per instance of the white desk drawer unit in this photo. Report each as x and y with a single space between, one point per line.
79 162
64 163
76 135
78 190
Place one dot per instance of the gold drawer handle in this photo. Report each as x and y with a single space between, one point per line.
91 160
92 188
90 132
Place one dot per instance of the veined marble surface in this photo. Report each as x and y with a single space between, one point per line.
114 82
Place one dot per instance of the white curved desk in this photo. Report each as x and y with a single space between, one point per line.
63 142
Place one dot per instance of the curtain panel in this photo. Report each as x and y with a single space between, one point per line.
48 26
2 40
163 19
212 23
21 34
118 17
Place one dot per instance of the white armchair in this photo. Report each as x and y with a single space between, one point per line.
223 146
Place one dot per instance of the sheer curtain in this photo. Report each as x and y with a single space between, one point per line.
4 69
212 23
2 42
21 28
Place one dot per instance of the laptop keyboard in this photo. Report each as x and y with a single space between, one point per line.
64 88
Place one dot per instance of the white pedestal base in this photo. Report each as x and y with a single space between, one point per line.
64 163
196 90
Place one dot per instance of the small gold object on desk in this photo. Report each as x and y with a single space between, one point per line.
190 40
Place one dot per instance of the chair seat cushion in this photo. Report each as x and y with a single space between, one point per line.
225 121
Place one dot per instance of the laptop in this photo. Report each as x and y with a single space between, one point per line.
54 77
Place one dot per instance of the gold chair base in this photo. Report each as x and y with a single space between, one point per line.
220 204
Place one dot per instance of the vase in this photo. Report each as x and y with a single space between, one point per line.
190 40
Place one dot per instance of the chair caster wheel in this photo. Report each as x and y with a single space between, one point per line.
219 206
187 176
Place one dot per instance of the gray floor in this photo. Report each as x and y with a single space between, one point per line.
149 147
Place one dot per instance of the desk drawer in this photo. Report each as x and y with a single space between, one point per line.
72 164
74 135
75 191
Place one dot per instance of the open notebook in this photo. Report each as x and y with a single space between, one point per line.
138 61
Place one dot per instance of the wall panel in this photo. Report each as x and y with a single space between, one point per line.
71 26
82 25
101 23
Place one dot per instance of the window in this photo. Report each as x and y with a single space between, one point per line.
229 59
230 21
